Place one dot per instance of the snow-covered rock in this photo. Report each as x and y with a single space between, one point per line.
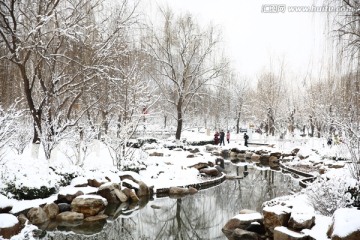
282 232
89 205
9 225
345 224
276 216
5 204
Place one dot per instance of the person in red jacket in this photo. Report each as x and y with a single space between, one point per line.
228 136
216 138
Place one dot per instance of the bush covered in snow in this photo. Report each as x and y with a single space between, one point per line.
327 195
27 193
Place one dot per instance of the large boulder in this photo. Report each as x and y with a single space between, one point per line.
9 225
89 205
143 190
22 219
70 216
345 224
96 218
211 171
199 165
300 221
276 216
121 195
107 191
68 198
242 221
240 234
52 210
64 207
133 196
37 216
94 183
284 233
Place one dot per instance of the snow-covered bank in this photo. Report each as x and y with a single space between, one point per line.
162 168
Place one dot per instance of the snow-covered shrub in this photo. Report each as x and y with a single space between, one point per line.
79 145
327 195
65 176
25 180
21 136
27 193
7 126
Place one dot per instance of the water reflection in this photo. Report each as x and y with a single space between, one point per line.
200 216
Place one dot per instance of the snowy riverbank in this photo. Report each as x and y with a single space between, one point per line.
166 168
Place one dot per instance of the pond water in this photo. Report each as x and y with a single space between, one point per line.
199 216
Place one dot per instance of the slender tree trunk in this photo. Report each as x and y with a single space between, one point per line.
238 122
179 121
312 126
36 114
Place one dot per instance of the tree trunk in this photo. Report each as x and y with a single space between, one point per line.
36 114
179 121
312 126
36 137
238 123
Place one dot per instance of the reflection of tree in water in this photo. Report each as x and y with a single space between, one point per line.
191 217
251 191
200 216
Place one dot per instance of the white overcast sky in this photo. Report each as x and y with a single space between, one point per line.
251 37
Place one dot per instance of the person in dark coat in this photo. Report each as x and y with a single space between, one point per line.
329 142
216 138
222 137
246 138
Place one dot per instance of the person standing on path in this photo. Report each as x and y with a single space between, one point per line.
216 138
246 138
222 137
228 136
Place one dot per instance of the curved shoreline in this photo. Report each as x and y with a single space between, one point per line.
303 182
161 192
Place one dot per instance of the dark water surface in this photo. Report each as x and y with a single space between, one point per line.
199 216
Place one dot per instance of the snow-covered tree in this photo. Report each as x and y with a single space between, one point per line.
8 119
43 39
187 59
268 100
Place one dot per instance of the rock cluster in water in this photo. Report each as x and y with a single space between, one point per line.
280 222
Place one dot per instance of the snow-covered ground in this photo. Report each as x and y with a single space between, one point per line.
32 170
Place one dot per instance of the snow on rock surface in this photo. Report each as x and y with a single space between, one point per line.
4 202
279 233
249 217
278 210
92 196
72 190
345 222
7 220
